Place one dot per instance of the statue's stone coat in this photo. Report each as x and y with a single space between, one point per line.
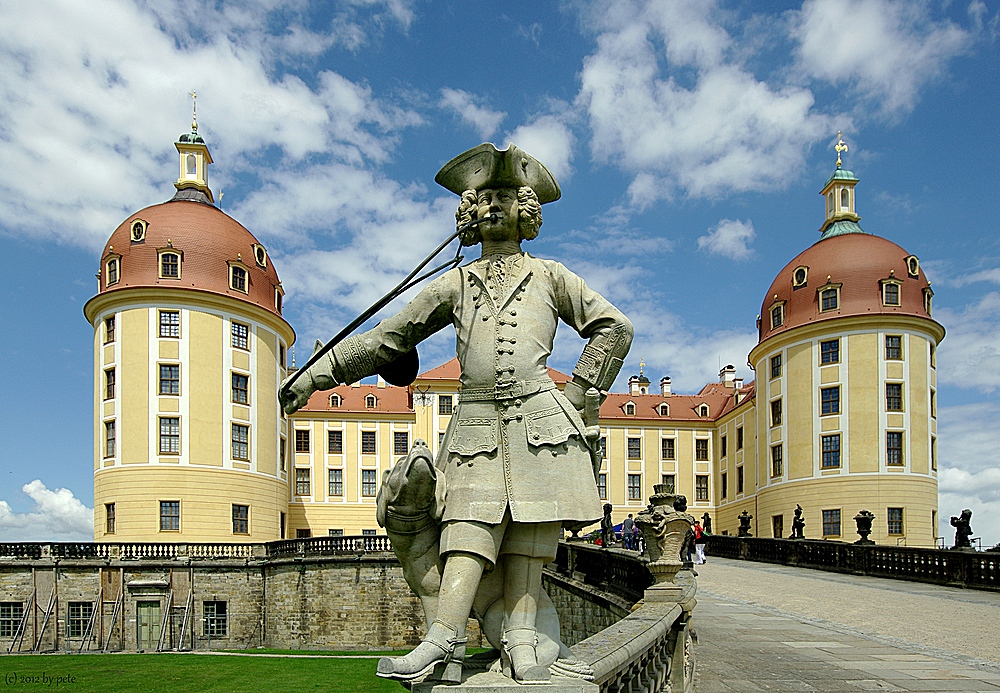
514 439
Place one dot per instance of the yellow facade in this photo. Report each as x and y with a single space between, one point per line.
190 444
173 438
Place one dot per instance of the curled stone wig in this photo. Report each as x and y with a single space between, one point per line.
529 215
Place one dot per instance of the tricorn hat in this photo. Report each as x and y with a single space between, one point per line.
486 166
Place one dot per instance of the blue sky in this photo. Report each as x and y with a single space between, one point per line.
690 141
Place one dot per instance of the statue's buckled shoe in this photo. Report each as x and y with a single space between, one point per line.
439 654
519 651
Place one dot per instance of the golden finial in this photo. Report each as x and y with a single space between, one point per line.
642 364
841 147
194 110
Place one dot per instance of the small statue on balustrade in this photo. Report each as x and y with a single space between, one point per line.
798 524
607 526
963 530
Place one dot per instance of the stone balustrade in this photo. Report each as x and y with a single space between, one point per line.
970 569
338 593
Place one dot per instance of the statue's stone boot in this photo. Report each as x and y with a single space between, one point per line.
519 647
440 652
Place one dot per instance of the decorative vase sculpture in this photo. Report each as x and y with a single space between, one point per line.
667 530
864 520
744 530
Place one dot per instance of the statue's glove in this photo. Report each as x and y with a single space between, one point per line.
294 395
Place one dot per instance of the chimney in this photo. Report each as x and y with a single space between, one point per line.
633 385
727 375
665 386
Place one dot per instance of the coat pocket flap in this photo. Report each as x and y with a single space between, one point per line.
473 436
549 426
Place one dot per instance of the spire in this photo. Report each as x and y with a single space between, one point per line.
192 183
839 195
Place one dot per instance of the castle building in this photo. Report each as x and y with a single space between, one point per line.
189 350
191 446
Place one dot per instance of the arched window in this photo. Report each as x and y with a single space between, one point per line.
829 203
630 409
845 198
370 401
703 410
335 401
664 409
192 164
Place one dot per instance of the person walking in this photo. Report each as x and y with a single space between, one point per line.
699 543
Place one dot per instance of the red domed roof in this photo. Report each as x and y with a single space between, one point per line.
858 262
208 241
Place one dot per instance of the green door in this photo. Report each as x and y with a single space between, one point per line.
148 616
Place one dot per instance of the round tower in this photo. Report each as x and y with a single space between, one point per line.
189 350
846 383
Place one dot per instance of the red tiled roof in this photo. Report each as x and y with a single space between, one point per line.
717 396
388 400
450 370
208 240
857 261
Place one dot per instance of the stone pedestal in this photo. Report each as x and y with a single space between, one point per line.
491 682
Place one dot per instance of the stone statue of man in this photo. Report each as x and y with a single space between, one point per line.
516 460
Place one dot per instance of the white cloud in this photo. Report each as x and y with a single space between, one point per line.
483 120
548 139
968 472
730 238
89 108
703 124
57 516
970 356
885 49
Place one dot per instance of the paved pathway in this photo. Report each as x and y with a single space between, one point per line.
764 627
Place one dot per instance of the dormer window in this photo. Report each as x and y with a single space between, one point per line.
335 401
370 402
113 269
829 296
778 315
703 410
928 295
170 264
913 266
799 277
664 409
890 292
238 278
278 298
629 409
138 232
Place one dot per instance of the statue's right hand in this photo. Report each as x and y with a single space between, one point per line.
293 395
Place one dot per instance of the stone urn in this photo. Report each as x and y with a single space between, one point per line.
666 529
864 520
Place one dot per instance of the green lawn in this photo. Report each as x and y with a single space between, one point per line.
153 673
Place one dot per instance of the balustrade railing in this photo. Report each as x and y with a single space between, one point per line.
619 572
972 569
197 551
